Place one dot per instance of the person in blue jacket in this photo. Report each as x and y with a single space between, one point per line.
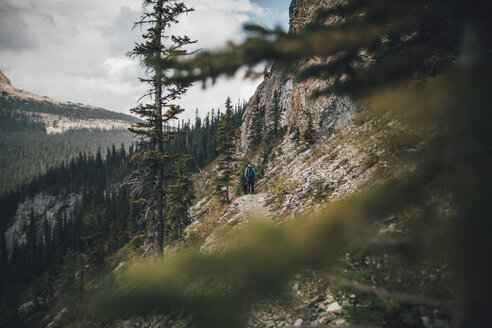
250 176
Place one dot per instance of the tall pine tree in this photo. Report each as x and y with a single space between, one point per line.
226 147
309 134
257 125
180 198
150 175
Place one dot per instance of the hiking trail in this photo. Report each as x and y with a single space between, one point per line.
253 205
246 207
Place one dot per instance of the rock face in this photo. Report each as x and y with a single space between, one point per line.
42 208
302 11
328 113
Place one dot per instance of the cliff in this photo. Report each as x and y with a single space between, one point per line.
45 211
302 11
328 113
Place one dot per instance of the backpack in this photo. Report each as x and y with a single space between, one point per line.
250 173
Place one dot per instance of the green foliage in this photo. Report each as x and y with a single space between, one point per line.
9 312
296 137
29 154
397 278
28 151
309 134
97 226
226 147
180 198
319 189
154 165
258 262
69 280
257 126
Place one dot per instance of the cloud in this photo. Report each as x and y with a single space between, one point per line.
75 50
16 28
215 96
119 32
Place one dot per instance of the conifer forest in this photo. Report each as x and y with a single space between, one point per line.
245 163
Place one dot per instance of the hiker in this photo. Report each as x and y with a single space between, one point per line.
250 176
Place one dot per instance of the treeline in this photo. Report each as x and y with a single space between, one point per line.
12 121
199 139
28 152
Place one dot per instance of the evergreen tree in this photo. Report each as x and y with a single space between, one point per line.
297 135
180 198
257 125
152 160
67 280
309 134
211 136
226 148
95 235
97 225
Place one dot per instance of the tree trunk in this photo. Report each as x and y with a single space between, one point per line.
227 192
158 147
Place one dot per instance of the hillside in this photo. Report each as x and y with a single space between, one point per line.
38 132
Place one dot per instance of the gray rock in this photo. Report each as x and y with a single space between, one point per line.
328 113
41 207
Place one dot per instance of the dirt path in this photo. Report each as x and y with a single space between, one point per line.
246 207
253 205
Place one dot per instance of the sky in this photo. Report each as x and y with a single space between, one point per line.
74 50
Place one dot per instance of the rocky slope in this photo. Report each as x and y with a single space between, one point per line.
328 113
351 153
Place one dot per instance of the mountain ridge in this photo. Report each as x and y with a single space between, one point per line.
38 132
23 100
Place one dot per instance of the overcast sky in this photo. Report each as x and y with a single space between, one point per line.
74 50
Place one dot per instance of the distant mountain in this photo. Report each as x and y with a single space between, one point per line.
37 132
57 116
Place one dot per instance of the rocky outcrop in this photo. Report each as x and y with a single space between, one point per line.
44 209
302 12
328 113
